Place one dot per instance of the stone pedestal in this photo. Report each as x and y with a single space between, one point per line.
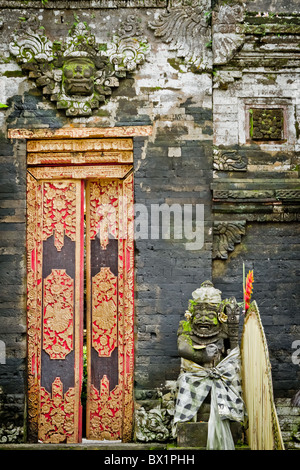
192 434
195 434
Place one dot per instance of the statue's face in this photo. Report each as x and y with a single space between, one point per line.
78 77
205 321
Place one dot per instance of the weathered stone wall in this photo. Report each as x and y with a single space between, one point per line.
256 184
13 290
289 420
272 251
256 181
199 96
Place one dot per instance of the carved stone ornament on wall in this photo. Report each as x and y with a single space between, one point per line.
226 236
229 160
78 73
226 40
57 414
153 425
186 30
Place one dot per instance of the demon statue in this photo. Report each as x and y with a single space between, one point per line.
210 330
210 364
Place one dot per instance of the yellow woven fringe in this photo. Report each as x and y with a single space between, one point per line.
263 431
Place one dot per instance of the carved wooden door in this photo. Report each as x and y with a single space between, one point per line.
55 294
57 240
109 240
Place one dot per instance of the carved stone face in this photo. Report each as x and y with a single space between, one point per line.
205 323
79 76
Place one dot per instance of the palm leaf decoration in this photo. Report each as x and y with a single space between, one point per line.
263 431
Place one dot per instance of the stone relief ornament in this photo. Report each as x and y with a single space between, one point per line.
152 425
227 41
78 73
229 160
186 30
226 236
155 424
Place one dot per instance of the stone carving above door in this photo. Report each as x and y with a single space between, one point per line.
77 73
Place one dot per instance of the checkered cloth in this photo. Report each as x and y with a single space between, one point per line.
224 383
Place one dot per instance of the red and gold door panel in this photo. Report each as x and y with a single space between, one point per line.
55 316
109 242
92 176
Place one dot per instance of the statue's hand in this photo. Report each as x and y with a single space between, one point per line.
212 350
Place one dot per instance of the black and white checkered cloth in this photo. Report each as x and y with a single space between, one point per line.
196 382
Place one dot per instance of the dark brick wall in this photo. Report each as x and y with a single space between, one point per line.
24 112
13 289
272 250
167 273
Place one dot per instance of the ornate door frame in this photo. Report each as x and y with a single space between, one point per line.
63 158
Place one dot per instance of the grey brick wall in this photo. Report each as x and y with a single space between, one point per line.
13 290
272 251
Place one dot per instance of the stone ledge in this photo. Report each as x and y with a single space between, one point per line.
195 434
192 434
91 4
86 445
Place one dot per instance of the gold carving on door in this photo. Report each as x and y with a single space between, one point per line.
104 312
34 301
105 412
59 211
104 210
58 314
57 414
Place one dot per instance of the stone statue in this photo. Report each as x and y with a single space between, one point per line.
211 328
210 366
